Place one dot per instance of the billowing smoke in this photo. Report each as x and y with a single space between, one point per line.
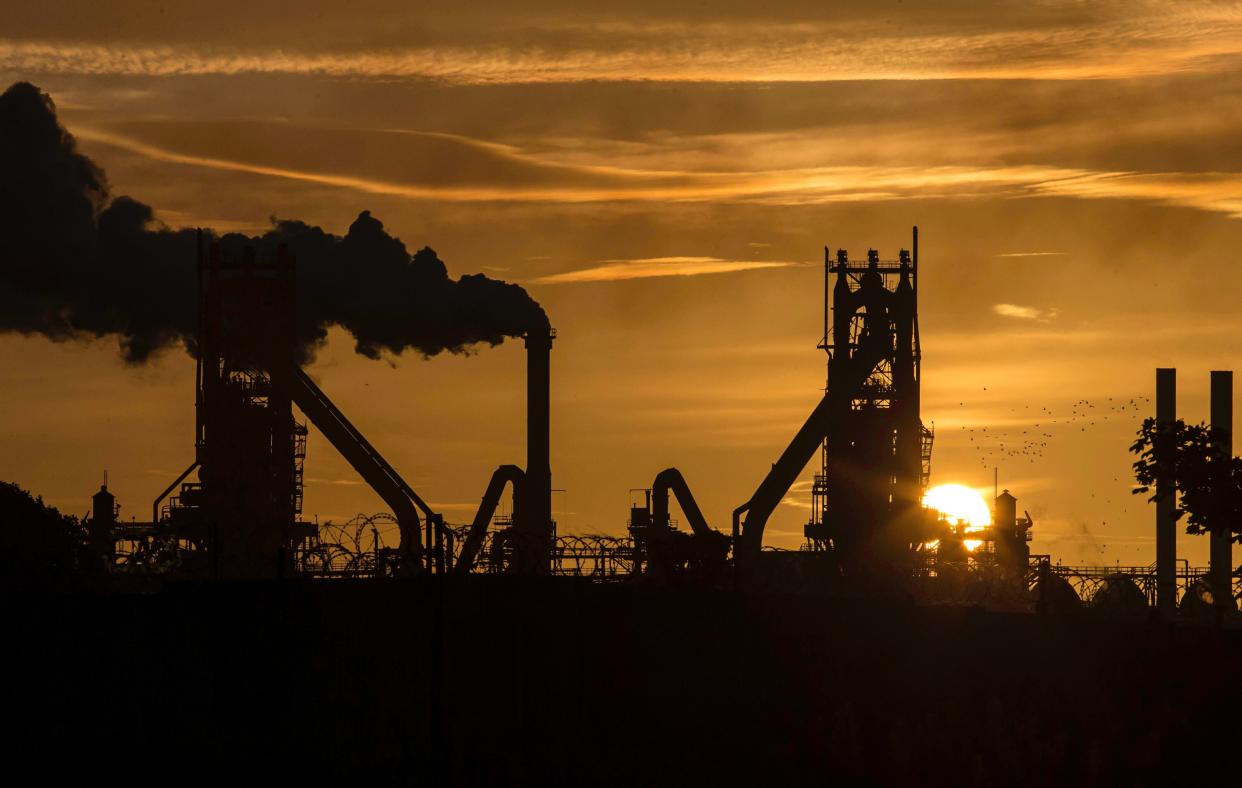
76 262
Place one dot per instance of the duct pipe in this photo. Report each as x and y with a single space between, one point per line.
670 479
505 474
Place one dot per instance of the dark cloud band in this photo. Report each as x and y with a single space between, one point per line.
76 262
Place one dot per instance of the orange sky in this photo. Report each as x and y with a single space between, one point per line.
663 180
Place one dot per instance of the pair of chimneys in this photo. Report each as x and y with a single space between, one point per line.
1220 561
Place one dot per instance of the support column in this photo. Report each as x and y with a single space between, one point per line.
1166 527
1221 554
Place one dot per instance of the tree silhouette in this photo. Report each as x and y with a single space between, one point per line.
1207 480
44 548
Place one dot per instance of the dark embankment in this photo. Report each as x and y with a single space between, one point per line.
568 683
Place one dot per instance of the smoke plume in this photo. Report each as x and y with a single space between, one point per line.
76 262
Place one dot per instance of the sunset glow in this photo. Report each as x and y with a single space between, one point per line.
550 392
960 505
663 179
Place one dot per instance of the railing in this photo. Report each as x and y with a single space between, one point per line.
365 546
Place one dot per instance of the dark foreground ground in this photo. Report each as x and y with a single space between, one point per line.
502 682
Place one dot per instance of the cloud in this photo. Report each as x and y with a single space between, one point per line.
453 168
799 495
648 267
1024 312
1112 40
1220 192
78 262
1031 254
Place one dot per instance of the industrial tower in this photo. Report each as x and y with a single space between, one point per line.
241 518
876 453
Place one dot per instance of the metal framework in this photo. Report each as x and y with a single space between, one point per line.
241 517
875 458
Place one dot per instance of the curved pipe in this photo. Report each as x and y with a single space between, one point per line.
671 479
505 474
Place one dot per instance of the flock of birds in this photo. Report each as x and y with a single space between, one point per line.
1030 441
1036 428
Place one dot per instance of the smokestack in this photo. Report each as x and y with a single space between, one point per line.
75 262
1166 527
1220 561
538 499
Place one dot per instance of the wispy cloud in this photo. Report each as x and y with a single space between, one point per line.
1032 254
648 267
1024 312
799 495
1219 192
1210 191
1113 41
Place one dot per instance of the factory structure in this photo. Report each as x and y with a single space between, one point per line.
235 513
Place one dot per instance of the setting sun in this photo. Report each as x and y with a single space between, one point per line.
959 504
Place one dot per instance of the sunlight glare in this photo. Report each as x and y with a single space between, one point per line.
959 504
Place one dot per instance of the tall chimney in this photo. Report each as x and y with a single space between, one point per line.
535 550
1166 527
1220 561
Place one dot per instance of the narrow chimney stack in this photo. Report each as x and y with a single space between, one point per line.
537 542
1220 561
1166 527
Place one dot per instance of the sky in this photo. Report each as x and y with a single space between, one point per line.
663 178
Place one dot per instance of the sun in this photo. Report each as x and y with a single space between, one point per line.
960 505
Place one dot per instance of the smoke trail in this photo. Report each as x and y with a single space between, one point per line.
75 262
